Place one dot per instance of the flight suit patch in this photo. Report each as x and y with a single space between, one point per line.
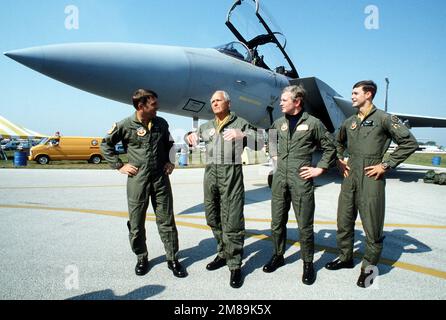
302 127
367 123
284 127
395 119
354 125
112 128
141 132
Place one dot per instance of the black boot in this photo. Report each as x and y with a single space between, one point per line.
216 264
362 279
309 276
275 262
177 268
142 266
338 264
236 278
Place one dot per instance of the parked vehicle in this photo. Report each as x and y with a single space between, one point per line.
67 148
24 145
11 145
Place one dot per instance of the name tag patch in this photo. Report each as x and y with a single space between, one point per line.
367 123
302 127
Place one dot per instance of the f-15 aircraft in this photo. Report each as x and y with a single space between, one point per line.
185 78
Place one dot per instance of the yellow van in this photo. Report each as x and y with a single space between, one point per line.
67 148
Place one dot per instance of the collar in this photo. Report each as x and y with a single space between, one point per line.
137 121
303 115
368 112
218 125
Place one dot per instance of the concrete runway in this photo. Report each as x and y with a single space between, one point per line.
63 235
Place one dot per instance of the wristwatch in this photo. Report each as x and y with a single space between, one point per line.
385 165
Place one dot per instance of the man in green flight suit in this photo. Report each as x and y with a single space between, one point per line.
364 138
292 139
224 193
148 143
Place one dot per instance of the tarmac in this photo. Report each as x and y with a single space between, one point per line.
67 229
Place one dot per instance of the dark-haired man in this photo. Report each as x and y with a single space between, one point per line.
148 143
364 138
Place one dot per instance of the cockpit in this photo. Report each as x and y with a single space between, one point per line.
260 41
236 50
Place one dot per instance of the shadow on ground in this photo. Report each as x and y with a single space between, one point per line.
108 294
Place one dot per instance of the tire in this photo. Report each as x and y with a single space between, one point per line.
43 160
96 159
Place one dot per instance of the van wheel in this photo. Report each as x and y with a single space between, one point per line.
96 159
43 159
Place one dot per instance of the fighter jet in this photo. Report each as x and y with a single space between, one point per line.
184 78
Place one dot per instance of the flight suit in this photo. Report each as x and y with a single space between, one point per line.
365 143
148 150
224 192
294 152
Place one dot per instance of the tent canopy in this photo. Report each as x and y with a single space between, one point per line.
10 130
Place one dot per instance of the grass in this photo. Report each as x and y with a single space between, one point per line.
78 164
424 159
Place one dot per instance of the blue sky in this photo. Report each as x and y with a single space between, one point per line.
326 39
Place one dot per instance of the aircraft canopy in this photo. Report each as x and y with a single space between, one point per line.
252 25
237 50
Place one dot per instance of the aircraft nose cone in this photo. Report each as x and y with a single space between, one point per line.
111 70
30 57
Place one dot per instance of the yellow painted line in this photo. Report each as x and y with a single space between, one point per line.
409 225
324 222
151 217
392 263
62 187
123 214
93 211
427 226
192 225
249 100
120 214
84 186
390 225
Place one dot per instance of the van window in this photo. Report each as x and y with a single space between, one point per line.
43 141
54 142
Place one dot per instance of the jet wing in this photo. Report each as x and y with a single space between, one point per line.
412 121
421 121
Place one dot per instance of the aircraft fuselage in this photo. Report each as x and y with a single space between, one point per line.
184 78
